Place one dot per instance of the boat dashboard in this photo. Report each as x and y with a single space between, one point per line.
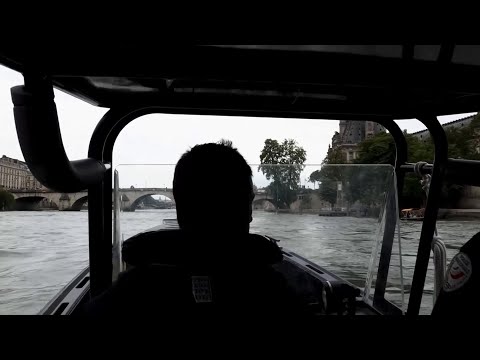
323 292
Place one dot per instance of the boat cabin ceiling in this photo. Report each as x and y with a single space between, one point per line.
327 81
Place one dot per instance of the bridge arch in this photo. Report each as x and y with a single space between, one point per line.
132 203
26 203
263 204
77 205
74 201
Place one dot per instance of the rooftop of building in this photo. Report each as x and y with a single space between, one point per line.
448 123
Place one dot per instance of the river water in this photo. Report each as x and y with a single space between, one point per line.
41 251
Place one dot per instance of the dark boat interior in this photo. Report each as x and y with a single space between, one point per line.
378 83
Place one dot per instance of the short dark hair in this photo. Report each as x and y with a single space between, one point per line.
207 176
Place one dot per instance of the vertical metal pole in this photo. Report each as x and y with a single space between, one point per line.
391 215
431 211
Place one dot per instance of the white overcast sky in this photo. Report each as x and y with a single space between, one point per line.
162 138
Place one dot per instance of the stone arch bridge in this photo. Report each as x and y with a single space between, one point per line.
130 198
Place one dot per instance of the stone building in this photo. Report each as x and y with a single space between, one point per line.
351 133
15 175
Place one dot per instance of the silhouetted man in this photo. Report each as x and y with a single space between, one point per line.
213 190
212 264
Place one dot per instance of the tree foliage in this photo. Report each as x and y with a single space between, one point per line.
379 149
463 143
7 201
328 191
282 163
328 177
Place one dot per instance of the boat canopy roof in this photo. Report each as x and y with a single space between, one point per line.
320 81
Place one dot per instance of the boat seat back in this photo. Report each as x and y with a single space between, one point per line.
174 247
172 275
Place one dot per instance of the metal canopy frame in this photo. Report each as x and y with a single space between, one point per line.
113 122
287 78
100 216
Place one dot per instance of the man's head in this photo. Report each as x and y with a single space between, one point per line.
213 189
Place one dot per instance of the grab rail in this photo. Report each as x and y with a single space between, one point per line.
40 139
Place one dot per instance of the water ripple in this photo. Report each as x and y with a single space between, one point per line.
40 252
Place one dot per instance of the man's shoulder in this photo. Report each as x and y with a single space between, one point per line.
266 247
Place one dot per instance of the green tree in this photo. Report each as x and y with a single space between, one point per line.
367 184
7 201
334 173
379 149
327 191
335 156
329 176
315 177
463 143
282 163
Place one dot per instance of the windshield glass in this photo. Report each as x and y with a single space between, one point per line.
333 215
